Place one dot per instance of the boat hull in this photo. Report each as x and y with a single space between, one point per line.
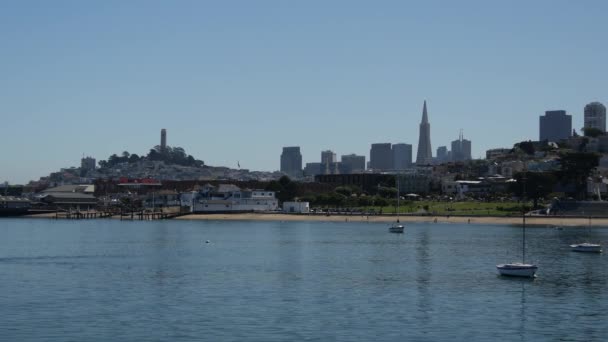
517 270
586 248
396 229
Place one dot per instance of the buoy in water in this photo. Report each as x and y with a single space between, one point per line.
207 241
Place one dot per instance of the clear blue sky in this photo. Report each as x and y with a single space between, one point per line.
237 80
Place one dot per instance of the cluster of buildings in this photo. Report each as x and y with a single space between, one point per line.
383 157
556 125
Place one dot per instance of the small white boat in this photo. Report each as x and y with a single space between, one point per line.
517 269
396 228
586 247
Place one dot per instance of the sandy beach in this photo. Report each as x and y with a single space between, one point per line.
530 220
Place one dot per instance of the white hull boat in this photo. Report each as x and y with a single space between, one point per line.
517 269
397 228
586 247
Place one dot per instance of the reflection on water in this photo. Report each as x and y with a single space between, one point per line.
104 280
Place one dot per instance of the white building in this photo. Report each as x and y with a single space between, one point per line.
296 207
230 198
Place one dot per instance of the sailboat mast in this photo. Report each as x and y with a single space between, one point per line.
523 247
398 198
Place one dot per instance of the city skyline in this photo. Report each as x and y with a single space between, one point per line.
101 78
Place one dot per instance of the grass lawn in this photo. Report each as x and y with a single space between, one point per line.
456 208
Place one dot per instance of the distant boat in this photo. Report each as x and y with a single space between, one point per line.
519 269
397 227
586 247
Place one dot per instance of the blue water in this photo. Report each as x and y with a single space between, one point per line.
107 280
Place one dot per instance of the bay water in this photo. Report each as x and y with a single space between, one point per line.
172 280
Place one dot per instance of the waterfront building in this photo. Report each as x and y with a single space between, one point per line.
402 156
352 163
442 154
381 157
163 140
296 207
555 125
425 154
595 116
461 149
291 161
230 198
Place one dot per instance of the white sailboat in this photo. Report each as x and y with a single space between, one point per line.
587 247
519 269
397 227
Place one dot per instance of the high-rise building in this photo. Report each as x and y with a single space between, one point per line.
402 156
291 161
425 154
163 140
555 125
87 163
442 154
352 163
461 149
595 116
328 159
381 157
313 169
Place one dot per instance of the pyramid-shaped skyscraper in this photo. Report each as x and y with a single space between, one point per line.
425 154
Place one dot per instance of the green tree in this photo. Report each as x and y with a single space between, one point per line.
537 185
344 190
576 168
592 132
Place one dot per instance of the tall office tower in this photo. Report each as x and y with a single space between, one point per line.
442 154
352 163
555 125
163 140
425 154
461 149
328 159
595 116
291 161
402 156
381 157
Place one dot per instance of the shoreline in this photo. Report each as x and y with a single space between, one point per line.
272 217
530 220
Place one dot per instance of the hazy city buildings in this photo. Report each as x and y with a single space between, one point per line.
87 163
328 162
291 161
555 125
381 157
442 155
425 154
163 140
313 169
402 156
461 149
595 116
352 163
